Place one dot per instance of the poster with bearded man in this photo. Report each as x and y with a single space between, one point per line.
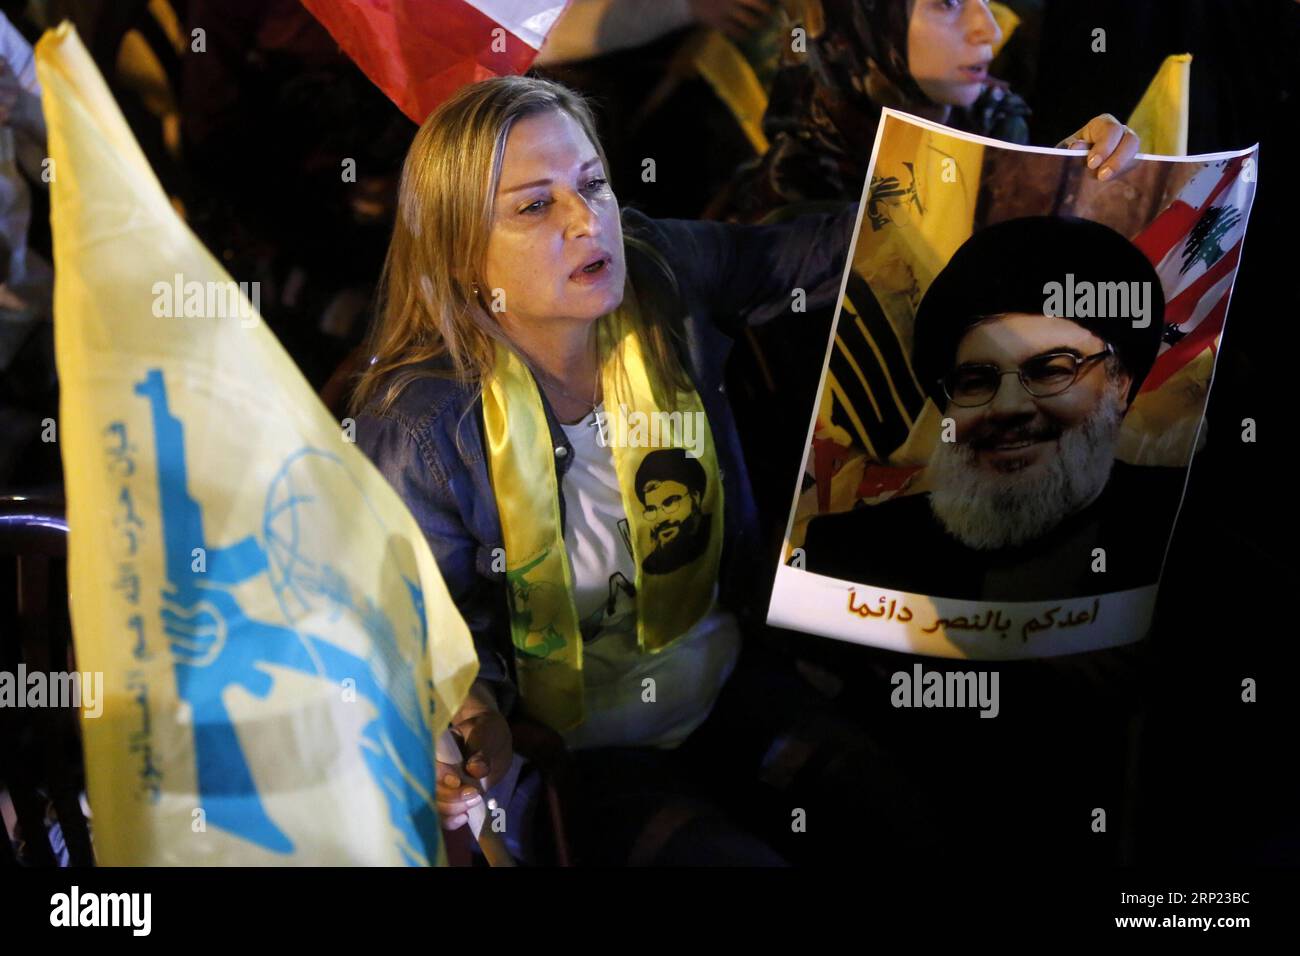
1013 397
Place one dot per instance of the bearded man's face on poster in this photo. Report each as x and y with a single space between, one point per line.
1036 404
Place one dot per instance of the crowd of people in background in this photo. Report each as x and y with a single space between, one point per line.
251 129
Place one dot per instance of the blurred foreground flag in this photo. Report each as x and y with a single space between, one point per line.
277 647
421 51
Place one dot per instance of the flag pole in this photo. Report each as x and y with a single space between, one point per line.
489 841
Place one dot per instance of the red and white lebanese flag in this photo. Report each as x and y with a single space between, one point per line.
421 51
1195 245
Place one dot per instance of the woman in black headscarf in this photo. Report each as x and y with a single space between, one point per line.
925 57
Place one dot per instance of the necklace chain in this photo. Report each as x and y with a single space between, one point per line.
547 378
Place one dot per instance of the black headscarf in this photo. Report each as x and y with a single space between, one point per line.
821 122
873 30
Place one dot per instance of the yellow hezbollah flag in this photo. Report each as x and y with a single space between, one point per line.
919 208
278 649
1161 117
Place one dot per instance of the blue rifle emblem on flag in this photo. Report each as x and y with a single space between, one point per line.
216 645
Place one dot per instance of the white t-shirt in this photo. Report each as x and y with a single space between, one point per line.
688 674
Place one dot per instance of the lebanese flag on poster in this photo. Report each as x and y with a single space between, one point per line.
421 51
1195 245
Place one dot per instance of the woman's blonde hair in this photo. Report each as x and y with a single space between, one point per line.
427 307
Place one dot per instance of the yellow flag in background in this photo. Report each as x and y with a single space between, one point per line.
1007 20
1161 116
277 647
734 82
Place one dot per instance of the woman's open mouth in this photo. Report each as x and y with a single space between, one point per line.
597 270
975 73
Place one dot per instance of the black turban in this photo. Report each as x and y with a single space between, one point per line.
1006 267
669 464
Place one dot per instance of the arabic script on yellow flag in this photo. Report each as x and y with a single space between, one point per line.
278 649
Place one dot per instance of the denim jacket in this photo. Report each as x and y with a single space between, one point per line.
429 443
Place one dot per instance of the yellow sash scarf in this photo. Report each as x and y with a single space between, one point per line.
675 517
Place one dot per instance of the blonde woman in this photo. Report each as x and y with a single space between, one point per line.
546 393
